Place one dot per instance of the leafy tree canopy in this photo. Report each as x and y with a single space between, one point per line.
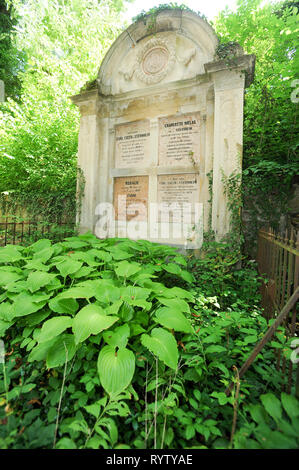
63 43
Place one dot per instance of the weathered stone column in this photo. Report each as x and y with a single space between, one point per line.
230 80
88 155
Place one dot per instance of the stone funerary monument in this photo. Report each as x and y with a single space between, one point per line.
164 113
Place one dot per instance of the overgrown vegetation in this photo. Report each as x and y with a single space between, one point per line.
62 44
122 344
51 50
11 60
270 151
152 13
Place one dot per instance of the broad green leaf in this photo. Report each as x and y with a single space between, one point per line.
126 312
136 329
136 296
40 245
37 265
215 348
44 255
127 269
9 254
118 254
275 440
25 304
114 308
272 405
176 304
119 337
27 388
221 397
179 293
86 257
37 318
221 367
112 428
180 260
250 339
38 279
63 348
3 327
85 271
172 268
77 293
17 287
213 338
106 292
54 327
65 443
91 320
68 266
93 409
100 254
8 277
189 431
173 319
187 276
59 305
6 311
39 352
116 369
257 413
163 345
290 404
131 293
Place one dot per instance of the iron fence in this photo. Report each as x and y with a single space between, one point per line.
16 231
278 261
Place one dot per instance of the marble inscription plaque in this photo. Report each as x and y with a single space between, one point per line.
179 140
132 144
180 190
130 198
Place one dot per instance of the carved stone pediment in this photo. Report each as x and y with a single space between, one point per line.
155 60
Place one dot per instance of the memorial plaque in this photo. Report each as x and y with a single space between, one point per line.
132 144
130 198
181 191
179 140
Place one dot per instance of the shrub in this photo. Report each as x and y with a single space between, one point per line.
109 339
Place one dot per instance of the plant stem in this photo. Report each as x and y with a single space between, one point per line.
145 401
235 405
156 403
98 419
61 394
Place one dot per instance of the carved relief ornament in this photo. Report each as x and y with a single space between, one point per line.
155 60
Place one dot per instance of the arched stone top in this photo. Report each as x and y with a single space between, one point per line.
176 46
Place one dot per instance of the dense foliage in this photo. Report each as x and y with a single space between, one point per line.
11 60
63 44
50 50
271 125
122 344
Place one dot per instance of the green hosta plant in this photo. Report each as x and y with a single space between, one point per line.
114 344
110 302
